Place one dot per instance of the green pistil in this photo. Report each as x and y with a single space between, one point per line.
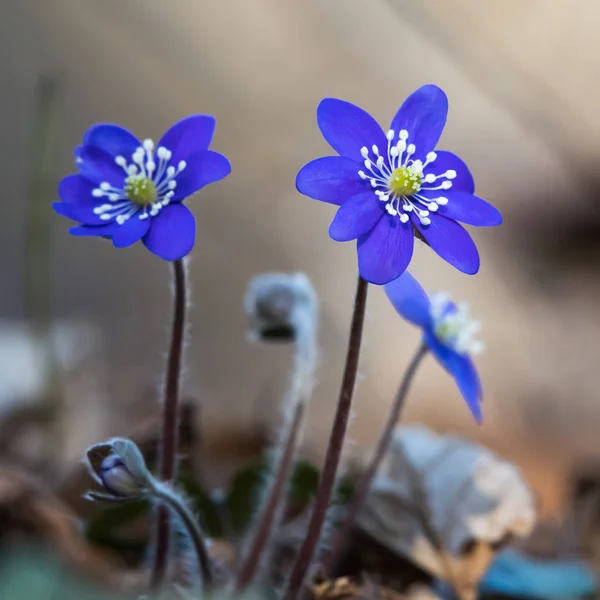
405 182
140 189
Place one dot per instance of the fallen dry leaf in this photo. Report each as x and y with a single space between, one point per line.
448 505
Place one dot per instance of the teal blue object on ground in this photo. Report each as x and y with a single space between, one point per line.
514 574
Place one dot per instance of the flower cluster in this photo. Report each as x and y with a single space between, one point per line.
395 185
130 190
448 332
390 187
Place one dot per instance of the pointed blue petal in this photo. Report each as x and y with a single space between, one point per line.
423 114
463 371
347 128
188 136
172 232
385 252
357 216
409 299
450 241
331 179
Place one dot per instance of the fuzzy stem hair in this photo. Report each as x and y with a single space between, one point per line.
307 550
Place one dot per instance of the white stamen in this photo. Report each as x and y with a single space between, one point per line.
375 150
364 151
362 175
403 135
450 174
121 161
148 145
390 135
446 185
453 325
105 185
163 153
182 165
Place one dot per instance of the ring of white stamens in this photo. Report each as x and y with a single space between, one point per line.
453 325
146 163
398 178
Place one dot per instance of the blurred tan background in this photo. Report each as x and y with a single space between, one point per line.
522 78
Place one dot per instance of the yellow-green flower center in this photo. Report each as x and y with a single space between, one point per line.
405 181
140 189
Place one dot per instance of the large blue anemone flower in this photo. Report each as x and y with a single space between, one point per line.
128 190
392 186
448 332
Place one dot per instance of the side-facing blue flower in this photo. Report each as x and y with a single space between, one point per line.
392 186
129 190
448 331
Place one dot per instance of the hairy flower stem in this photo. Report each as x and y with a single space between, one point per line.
341 537
170 424
192 527
334 449
301 388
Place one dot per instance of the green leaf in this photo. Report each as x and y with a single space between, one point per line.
244 494
209 513
304 482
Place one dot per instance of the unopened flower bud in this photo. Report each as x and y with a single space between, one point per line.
119 467
275 303
117 479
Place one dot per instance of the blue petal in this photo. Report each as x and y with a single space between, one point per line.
446 161
347 128
385 252
409 299
82 213
470 209
172 232
423 114
75 189
188 136
331 179
132 231
89 231
114 139
463 371
357 216
98 165
202 168
451 242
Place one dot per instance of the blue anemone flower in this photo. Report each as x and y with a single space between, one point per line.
392 186
128 190
448 332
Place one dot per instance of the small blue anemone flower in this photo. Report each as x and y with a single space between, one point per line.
448 332
128 190
392 186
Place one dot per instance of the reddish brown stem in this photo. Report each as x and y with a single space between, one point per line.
341 537
334 449
170 424
268 518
